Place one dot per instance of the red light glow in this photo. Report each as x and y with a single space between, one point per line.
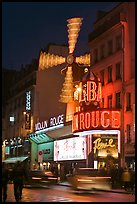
97 119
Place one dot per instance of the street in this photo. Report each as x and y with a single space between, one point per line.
57 193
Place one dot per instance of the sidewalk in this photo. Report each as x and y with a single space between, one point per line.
111 190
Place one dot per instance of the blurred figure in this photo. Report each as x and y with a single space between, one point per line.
18 176
126 178
103 170
132 182
5 179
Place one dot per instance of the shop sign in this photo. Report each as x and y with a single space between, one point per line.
105 145
98 144
53 121
97 119
28 100
28 121
70 149
91 91
47 150
40 156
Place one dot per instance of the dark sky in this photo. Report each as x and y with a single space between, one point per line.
27 27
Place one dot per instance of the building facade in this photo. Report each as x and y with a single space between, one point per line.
112 47
29 100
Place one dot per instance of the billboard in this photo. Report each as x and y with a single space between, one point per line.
70 149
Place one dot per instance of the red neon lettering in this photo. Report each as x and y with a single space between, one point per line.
75 123
87 120
95 119
99 93
115 119
81 94
91 93
81 118
103 121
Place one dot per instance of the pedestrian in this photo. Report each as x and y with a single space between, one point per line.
5 179
18 176
126 178
132 181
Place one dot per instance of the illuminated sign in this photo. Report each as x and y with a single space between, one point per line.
106 144
101 145
91 91
54 121
70 149
97 119
28 100
27 121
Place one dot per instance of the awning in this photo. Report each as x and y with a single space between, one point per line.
51 135
15 159
61 132
39 138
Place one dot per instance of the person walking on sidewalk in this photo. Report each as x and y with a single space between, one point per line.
126 178
18 176
5 179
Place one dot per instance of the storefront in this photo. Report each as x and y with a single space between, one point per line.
42 142
68 153
101 128
41 151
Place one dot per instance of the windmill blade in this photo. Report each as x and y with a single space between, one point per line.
85 59
49 60
73 31
67 89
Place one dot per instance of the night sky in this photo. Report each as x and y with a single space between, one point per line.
28 27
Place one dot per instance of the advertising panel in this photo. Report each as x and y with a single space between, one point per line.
70 149
47 151
105 145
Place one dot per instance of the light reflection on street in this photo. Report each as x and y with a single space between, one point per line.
65 194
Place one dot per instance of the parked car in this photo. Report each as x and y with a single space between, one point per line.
89 179
41 177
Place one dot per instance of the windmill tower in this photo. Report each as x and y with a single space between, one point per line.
48 60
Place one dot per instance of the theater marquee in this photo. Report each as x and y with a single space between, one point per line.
100 119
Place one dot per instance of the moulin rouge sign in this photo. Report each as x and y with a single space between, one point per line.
97 119
52 122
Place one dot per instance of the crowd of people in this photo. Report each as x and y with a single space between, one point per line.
120 177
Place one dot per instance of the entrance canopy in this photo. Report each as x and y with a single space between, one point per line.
40 138
15 159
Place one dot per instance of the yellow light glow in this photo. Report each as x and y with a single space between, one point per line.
73 30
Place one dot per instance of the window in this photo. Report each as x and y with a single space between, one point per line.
95 55
128 101
110 101
118 69
128 129
102 77
110 74
110 47
102 51
118 105
118 42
